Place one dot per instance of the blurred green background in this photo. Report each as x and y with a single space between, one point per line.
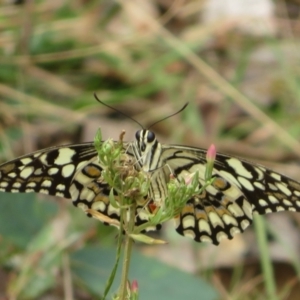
235 62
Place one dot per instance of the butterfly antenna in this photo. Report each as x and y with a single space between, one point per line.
177 112
118 111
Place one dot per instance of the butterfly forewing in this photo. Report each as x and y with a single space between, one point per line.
49 171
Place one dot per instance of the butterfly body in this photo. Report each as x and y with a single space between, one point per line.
222 209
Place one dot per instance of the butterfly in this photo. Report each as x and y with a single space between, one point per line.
222 209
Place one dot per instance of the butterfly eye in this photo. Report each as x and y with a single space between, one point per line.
150 137
138 134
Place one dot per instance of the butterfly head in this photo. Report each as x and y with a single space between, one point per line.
146 148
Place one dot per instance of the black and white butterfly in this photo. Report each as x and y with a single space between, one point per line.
223 209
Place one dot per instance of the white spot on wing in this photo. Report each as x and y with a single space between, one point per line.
31 184
245 224
90 196
141 213
287 202
111 210
283 188
259 185
68 170
65 156
234 231
215 219
297 193
99 206
229 220
46 183
43 159
205 238
59 194
188 221
44 191
87 195
260 173
235 210
53 171
273 199
247 209
221 236
204 226
272 187
83 206
26 172
239 168
3 184
263 202
61 187
275 176
38 171
26 160
16 185
189 233
74 192
246 183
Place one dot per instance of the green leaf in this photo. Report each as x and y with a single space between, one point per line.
91 266
22 216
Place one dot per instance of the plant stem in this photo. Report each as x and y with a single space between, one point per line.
127 252
265 259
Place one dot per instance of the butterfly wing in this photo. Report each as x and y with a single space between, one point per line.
49 171
72 172
239 189
223 209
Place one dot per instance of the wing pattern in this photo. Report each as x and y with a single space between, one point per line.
71 172
223 209
239 190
